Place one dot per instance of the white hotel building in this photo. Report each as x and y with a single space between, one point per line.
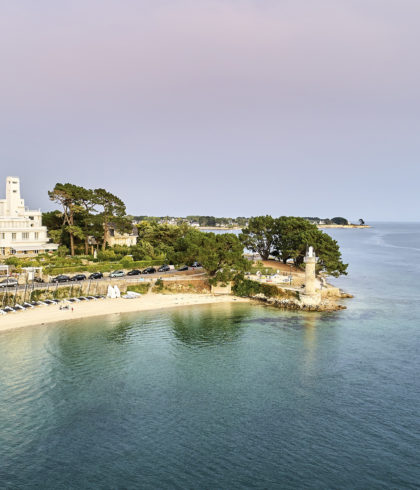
21 230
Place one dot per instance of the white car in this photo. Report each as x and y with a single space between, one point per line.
7 283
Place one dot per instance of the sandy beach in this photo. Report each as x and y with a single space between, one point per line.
42 315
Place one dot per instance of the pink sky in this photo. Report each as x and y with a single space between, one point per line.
242 97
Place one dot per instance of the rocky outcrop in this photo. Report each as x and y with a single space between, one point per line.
296 304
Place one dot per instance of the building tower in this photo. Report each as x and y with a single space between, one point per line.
15 206
21 230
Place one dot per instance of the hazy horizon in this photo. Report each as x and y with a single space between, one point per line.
213 107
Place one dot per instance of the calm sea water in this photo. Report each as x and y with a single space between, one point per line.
228 396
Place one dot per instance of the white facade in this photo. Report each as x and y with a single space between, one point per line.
21 230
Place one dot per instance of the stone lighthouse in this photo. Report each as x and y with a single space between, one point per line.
311 296
310 276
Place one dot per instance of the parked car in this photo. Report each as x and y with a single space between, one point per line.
78 277
164 268
117 274
183 268
38 279
8 282
196 264
149 270
61 278
96 275
134 272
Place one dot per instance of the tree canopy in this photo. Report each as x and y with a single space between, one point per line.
259 235
93 212
339 221
221 255
288 237
85 213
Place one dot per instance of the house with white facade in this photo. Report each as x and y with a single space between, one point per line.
21 230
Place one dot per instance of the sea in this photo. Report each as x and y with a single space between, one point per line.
227 396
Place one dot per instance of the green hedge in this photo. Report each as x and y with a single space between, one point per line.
247 288
101 267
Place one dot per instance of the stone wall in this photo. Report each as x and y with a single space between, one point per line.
222 289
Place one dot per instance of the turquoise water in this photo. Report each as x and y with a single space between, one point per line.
226 396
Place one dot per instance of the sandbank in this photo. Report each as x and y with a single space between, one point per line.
42 315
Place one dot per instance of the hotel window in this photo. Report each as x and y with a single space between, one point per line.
2 236
36 235
25 235
13 236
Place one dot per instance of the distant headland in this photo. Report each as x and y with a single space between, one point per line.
240 222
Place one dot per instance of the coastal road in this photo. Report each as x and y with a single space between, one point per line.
139 279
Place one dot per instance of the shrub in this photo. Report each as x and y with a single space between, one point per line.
62 251
140 288
107 255
13 261
246 288
127 261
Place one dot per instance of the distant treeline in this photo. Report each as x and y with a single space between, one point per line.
202 221
240 221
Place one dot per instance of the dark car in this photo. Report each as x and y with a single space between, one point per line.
149 270
134 272
196 264
8 282
38 279
96 275
164 268
78 277
61 278
184 268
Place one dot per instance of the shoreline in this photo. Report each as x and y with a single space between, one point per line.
343 226
212 228
43 315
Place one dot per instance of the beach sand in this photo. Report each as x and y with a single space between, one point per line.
42 315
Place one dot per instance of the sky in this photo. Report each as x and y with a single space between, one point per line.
216 107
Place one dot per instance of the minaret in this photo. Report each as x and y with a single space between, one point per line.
310 275
14 203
